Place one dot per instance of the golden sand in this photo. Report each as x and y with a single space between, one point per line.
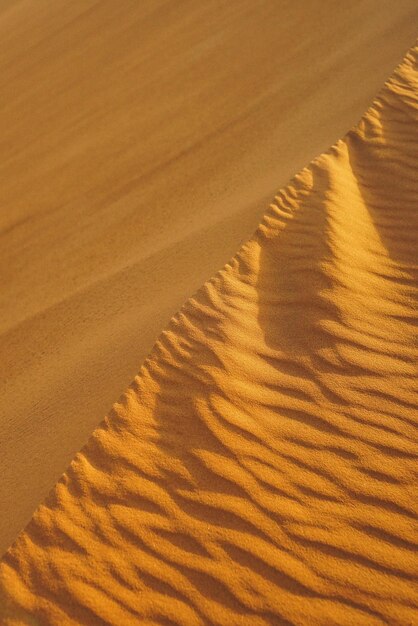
140 145
260 469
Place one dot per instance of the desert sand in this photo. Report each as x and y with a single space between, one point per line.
140 145
261 469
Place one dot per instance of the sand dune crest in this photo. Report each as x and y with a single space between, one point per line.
139 149
261 468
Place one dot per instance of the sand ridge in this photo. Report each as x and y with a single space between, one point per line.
261 469
139 149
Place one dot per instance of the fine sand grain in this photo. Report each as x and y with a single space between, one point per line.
261 469
140 145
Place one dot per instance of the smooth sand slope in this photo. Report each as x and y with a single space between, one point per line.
140 144
261 469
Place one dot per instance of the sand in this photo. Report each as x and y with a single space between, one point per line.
261 468
140 146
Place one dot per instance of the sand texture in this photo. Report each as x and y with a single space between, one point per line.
261 468
140 144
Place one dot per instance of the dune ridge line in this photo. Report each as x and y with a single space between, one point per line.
261 468
140 148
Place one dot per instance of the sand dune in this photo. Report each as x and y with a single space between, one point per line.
261 468
140 145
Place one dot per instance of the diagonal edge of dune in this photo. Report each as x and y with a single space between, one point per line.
260 468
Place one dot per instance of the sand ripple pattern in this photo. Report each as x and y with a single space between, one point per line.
261 468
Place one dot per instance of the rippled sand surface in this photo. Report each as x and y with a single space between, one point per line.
140 144
261 468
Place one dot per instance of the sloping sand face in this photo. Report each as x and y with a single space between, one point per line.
140 145
260 469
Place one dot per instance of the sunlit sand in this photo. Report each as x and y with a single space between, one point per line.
261 468
141 143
